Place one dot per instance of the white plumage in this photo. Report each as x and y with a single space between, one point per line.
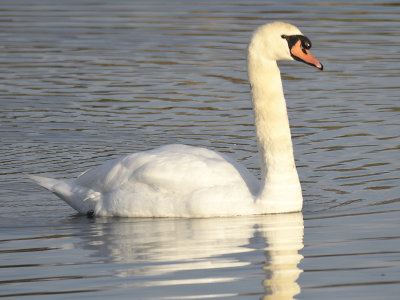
186 181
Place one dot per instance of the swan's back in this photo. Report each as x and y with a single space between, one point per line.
180 168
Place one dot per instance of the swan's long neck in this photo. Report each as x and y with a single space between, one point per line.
280 187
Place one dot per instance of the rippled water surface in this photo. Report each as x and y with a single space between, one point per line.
85 81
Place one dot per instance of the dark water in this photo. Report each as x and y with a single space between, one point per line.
85 81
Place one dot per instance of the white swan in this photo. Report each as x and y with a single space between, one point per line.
185 181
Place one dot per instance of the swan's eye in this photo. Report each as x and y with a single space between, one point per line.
305 45
292 40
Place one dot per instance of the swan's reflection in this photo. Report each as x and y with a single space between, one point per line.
284 234
181 252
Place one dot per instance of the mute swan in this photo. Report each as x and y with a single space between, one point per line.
186 181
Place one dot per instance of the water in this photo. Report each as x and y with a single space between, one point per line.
86 81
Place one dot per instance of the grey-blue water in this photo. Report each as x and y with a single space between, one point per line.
82 82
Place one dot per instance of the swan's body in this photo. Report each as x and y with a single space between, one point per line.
185 181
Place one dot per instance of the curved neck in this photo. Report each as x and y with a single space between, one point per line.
271 119
279 175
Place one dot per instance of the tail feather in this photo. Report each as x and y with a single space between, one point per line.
68 191
47 183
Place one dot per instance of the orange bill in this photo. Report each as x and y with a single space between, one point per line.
305 56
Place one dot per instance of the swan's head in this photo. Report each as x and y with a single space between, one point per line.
282 41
